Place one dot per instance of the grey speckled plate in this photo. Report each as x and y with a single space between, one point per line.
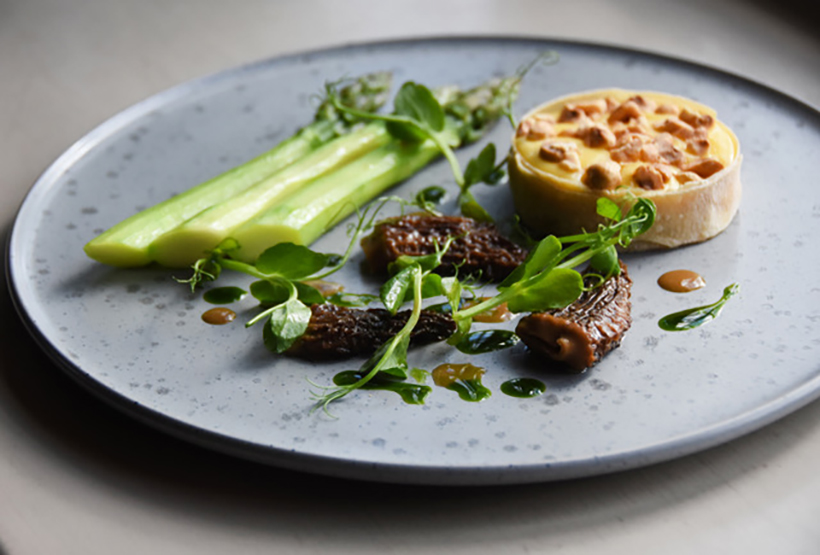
134 337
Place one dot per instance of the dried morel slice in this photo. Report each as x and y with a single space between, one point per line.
338 332
479 249
580 334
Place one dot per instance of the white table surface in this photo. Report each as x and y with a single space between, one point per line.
77 477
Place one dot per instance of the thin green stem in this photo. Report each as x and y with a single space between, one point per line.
484 306
361 225
336 394
586 255
243 267
448 153
293 293
433 136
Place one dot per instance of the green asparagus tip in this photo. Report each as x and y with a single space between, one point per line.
368 93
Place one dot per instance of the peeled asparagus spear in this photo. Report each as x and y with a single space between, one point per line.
189 241
126 244
306 215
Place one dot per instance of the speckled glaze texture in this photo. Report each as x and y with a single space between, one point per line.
135 337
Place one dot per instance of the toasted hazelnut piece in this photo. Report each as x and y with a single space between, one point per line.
556 151
625 112
643 103
704 167
620 130
668 172
627 137
540 129
649 177
598 136
639 125
649 152
593 107
549 118
629 147
699 143
594 135
572 163
626 153
523 128
602 176
687 177
570 113
697 120
667 150
676 127
669 109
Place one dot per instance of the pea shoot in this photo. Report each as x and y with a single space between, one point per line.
412 279
281 274
418 116
547 278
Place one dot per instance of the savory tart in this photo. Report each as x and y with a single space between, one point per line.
625 144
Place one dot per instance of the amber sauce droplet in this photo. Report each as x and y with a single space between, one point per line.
218 316
681 281
494 316
446 374
326 288
464 379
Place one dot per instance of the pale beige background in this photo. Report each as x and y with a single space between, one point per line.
78 478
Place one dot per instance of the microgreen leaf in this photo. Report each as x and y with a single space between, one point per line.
606 262
642 217
290 261
394 290
480 168
606 208
554 289
433 195
544 255
395 362
352 299
270 292
427 262
497 175
227 246
470 207
452 289
308 294
431 286
416 102
288 321
334 260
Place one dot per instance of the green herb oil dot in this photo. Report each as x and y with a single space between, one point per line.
224 295
410 393
695 317
486 341
524 388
